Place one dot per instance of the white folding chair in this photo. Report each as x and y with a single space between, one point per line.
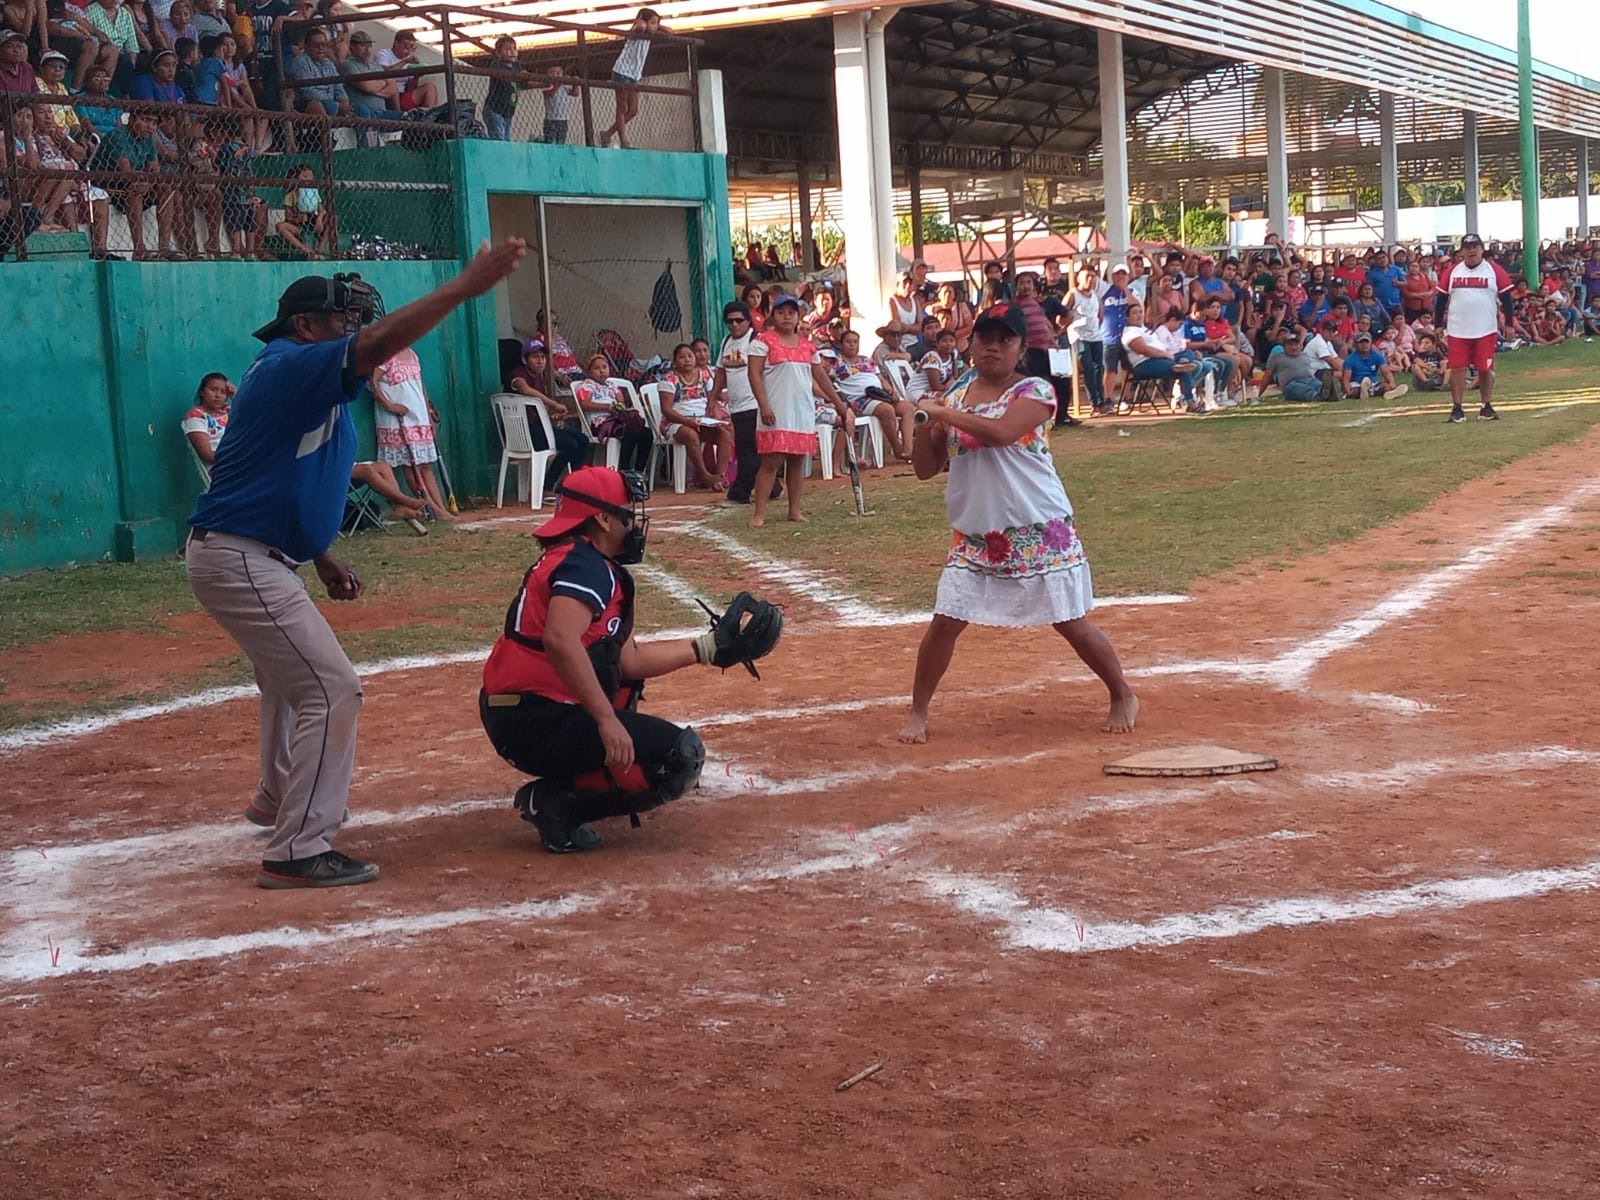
516 441
649 400
870 440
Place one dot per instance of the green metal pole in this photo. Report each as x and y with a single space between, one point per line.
1530 147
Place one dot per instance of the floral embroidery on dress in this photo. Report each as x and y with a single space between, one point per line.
1018 553
1035 441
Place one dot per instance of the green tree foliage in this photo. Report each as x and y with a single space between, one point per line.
935 229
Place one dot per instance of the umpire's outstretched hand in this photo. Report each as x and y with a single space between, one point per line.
491 264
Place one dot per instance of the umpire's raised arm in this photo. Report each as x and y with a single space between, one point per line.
383 339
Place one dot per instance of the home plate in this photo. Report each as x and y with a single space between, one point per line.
1191 760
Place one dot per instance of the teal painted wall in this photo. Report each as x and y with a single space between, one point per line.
101 360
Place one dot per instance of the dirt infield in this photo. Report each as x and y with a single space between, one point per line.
1370 973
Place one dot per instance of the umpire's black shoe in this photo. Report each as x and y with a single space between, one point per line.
328 869
542 803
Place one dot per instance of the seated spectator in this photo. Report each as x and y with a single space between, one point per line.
208 20
418 93
177 25
572 448
303 212
685 418
132 150
1365 369
822 311
188 52
860 384
954 314
60 118
1160 352
1229 345
937 369
1427 364
500 104
1591 316
1299 375
403 420
207 421
27 19
16 75
1366 304
561 355
367 97
315 98
1549 323
612 415
891 348
161 84
98 119
925 341
1388 343
204 195
74 35
1216 368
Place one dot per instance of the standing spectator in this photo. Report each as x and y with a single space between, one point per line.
1366 304
530 379
267 19
612 416
744 394
1385 278
754 298
207 21
559 96
500 105
791 369
954 314
244 216
905 305
403 422
27 19
1082 310
129 149
1114 302
1416 292
416 93
276 499
1039 341
627 72
116 22
16 75
1053 285
206 422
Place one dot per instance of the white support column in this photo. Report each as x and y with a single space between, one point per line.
858 216
1583 187
1277 153
1114 143
882 159
1389 168
1472 180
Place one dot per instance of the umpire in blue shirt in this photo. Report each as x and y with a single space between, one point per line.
275 503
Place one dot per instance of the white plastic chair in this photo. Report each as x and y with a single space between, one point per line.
649 400
516 441
898 372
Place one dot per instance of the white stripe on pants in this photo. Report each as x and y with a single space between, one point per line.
310 694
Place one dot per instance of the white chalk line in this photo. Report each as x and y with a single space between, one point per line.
1498 763
1294 666
1025 925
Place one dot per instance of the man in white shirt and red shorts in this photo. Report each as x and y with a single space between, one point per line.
1473 294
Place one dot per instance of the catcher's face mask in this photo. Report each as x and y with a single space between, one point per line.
632 515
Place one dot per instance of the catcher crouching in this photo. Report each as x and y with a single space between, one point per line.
561 687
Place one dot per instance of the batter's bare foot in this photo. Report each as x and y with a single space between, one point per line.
797 518
757 522
1124 712
915 731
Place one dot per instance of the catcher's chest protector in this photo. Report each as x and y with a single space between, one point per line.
607 634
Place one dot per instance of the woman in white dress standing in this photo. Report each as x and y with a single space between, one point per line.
1015 559
791 369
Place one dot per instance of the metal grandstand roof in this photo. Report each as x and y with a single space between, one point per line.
1359 42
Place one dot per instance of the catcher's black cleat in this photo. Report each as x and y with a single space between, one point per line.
541 803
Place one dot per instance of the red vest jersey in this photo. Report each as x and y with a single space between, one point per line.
518 663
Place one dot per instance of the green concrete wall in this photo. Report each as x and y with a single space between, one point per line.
100 360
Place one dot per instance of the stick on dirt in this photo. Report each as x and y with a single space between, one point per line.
866 1073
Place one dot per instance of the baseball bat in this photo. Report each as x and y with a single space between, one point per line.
854 468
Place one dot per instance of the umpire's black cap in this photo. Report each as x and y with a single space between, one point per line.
308 294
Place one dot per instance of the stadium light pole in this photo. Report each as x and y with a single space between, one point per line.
1530 145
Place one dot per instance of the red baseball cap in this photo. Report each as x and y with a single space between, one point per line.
582 494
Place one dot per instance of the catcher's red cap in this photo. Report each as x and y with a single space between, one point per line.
582 494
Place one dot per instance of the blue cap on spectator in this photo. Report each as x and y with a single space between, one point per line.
784 298
532 344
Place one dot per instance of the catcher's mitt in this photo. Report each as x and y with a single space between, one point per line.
749 629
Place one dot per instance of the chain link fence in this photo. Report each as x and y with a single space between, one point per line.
117 179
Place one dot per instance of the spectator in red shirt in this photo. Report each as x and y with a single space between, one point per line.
16 76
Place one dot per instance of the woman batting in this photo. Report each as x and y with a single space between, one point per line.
1015 559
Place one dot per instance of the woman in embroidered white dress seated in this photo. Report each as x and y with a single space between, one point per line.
1015 559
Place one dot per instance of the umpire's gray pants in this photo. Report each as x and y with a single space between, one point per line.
310 695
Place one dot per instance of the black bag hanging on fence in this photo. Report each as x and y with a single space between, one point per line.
666 316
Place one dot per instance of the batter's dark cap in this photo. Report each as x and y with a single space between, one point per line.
1006 314
308 294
